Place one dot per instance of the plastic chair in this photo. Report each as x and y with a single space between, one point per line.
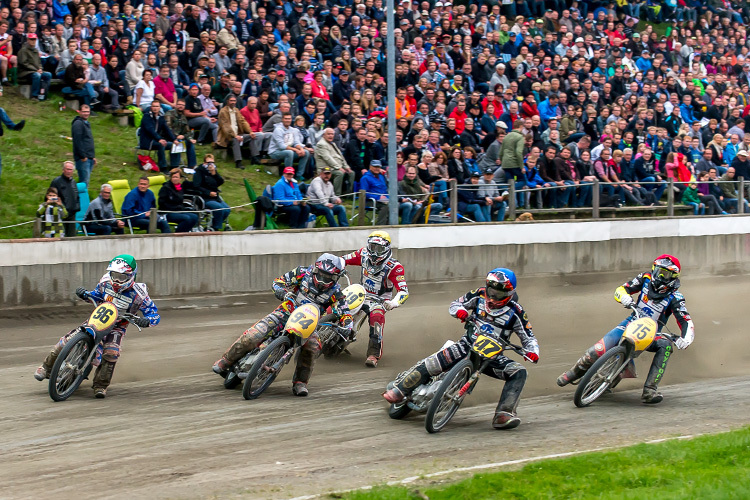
270 217
155 183
84 200
120 188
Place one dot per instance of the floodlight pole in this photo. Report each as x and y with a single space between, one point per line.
391 91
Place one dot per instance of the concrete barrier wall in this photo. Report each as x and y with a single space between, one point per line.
47 272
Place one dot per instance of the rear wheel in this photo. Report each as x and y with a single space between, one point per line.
445 403
260 376
600 376
68 371
397 411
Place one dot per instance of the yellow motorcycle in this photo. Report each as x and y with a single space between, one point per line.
606 372
298 330
73 364
334 339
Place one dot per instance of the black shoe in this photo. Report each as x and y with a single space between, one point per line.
20 125
238 164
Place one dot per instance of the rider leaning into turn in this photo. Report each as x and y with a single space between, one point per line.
317 284
119 287
490 311
658 298
381 273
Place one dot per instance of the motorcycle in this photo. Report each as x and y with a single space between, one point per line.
335 339
299 328
605 373
443 394
74 363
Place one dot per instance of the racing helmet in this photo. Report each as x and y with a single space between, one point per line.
326 272
378 249
122 271
665 275
500 288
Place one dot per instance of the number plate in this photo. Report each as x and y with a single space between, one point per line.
487 347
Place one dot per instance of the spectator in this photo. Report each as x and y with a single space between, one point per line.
288 199
30 68
469 202
76 78
178 124
155 134
98 79
511 151
198 117
375 185
260 139
413 197
68 193
690 198
84 153
358 154
5 120
100 217
323 200
171 200
52 213
145 90
328 155
134 69
164 90
207 181
286 145
233 129
495 202
707 197
138 205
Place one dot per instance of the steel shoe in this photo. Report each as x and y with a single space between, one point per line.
371 361
40 374
100 393
221 367
394 395
651 396
505 420
300 389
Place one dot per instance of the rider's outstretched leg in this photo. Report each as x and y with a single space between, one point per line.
592 354
663 349
249 340
514 375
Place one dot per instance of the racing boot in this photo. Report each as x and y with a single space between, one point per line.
221 367
394 395
658 366
375 346
304 368
505 420
102 378
300 389
651 396
581 366
41 373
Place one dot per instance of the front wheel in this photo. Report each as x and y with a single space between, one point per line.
599 377
68 371
260 375
445 403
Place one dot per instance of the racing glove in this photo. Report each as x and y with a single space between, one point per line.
626 301
682 343
141 322
82 293
462 314
391 304
290 297
532 356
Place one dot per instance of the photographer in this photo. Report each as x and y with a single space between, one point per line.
52 212
207 181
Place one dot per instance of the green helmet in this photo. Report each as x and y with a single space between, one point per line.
122 271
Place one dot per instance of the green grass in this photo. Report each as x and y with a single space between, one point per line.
33 157
708 467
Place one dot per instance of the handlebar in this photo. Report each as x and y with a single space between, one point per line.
129 317
667 335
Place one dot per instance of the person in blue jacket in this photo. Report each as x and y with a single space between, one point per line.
138 204
288 199
469 202
376 188
155 134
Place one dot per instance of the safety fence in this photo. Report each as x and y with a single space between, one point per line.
361 205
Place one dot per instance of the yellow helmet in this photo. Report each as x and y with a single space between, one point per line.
380 234
378 249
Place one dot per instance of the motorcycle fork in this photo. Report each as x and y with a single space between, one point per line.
276 367
469 385
90 359
628 358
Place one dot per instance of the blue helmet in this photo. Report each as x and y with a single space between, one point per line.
501 286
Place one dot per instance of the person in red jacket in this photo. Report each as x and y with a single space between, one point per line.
260 139
382 275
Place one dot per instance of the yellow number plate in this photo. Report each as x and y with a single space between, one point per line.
487 347
641 332
303 321
103 316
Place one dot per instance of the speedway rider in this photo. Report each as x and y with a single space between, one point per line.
119 287
658 298
491 311
317 284
381 273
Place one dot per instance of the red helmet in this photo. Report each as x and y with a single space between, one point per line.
665 274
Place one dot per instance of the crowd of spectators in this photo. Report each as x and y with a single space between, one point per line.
537 94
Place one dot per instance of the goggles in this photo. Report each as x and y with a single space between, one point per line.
119 278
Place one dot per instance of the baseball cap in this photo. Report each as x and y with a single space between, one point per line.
512 33
580 40
281 73
31 36
404 21
636 35
500 124
214 10
148 30
376 163
742 153
475 174
344 72
194 85
291 90
488 170
202 76
326 169
289 170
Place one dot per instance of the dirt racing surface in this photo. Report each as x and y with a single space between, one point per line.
168 429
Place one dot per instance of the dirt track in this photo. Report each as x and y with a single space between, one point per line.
169 430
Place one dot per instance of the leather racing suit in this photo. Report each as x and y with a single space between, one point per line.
379 282
510 319
294 288
657 308
132 300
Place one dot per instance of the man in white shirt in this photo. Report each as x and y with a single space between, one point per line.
286 145
323 201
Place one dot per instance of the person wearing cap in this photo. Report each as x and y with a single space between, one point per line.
375 185
286 145
30 68
323 200
495 203
328 155
469 202
288 198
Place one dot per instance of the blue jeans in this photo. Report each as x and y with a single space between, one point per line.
474 211
84 169
174 158
288 157
143 223
185 222
583 199
407 210
497 207
697 208
220 214
87 92
297 215
442 197
658 189
8 123
563 195
37 79
331 214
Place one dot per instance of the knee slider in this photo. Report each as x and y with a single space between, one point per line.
432 364
515 370
377 315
